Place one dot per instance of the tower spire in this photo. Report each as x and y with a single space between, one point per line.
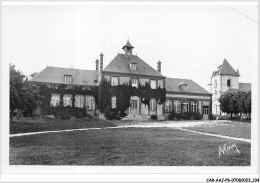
128 49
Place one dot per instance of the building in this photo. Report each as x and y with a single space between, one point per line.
225 79
182 95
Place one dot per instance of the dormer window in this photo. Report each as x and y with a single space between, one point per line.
68 78
132 66
183 86
85 82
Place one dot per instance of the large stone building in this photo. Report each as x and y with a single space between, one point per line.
224 79
182 95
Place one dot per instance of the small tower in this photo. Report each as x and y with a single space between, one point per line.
223 79
128 49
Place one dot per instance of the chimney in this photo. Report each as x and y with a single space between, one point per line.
159 66
97 63
101 61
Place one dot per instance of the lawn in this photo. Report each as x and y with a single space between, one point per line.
232 129
49 124
126 146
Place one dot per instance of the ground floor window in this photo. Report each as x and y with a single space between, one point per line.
67 100
90 102
177 106
194 107
55 99
168 106
113 102
185 106
79 101
152 104
133 104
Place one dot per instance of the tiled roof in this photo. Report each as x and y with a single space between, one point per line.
173 85
245 86
242 87
120 65
56 75
227 69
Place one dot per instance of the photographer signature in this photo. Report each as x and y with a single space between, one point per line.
225 148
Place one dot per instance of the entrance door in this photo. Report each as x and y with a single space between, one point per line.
205 112
133 106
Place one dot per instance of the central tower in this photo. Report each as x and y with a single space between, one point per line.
128 49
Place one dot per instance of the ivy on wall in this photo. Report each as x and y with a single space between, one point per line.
123 94
46 91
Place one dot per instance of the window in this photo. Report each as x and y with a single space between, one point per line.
114 81
215 95
68 78
85 82
132 66
55 99
67 100
79 101
185 106
90 102
228 82
134 82
215 84
133 104
153 84
113 102
152 104
168 106
177 106
194 107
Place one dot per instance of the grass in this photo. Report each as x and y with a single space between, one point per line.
126 146
48 124
232 129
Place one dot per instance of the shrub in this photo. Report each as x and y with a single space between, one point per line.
123 114
66 112
153 116
172 116
112 113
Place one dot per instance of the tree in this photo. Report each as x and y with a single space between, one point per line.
236 102
24 95
225 103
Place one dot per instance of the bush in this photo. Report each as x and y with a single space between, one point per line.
171 116
112 114
153 116
67 112
184 116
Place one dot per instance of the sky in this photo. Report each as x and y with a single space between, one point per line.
190 41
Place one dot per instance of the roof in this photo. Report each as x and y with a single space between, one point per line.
56 75
227 69
242 87
120 65
128 44
173 85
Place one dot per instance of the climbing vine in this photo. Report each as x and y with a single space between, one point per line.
122 93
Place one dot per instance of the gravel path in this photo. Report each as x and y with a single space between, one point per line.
165 124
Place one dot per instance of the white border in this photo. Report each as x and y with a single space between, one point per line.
143 173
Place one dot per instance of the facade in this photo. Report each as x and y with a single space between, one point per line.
181 95
224 79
